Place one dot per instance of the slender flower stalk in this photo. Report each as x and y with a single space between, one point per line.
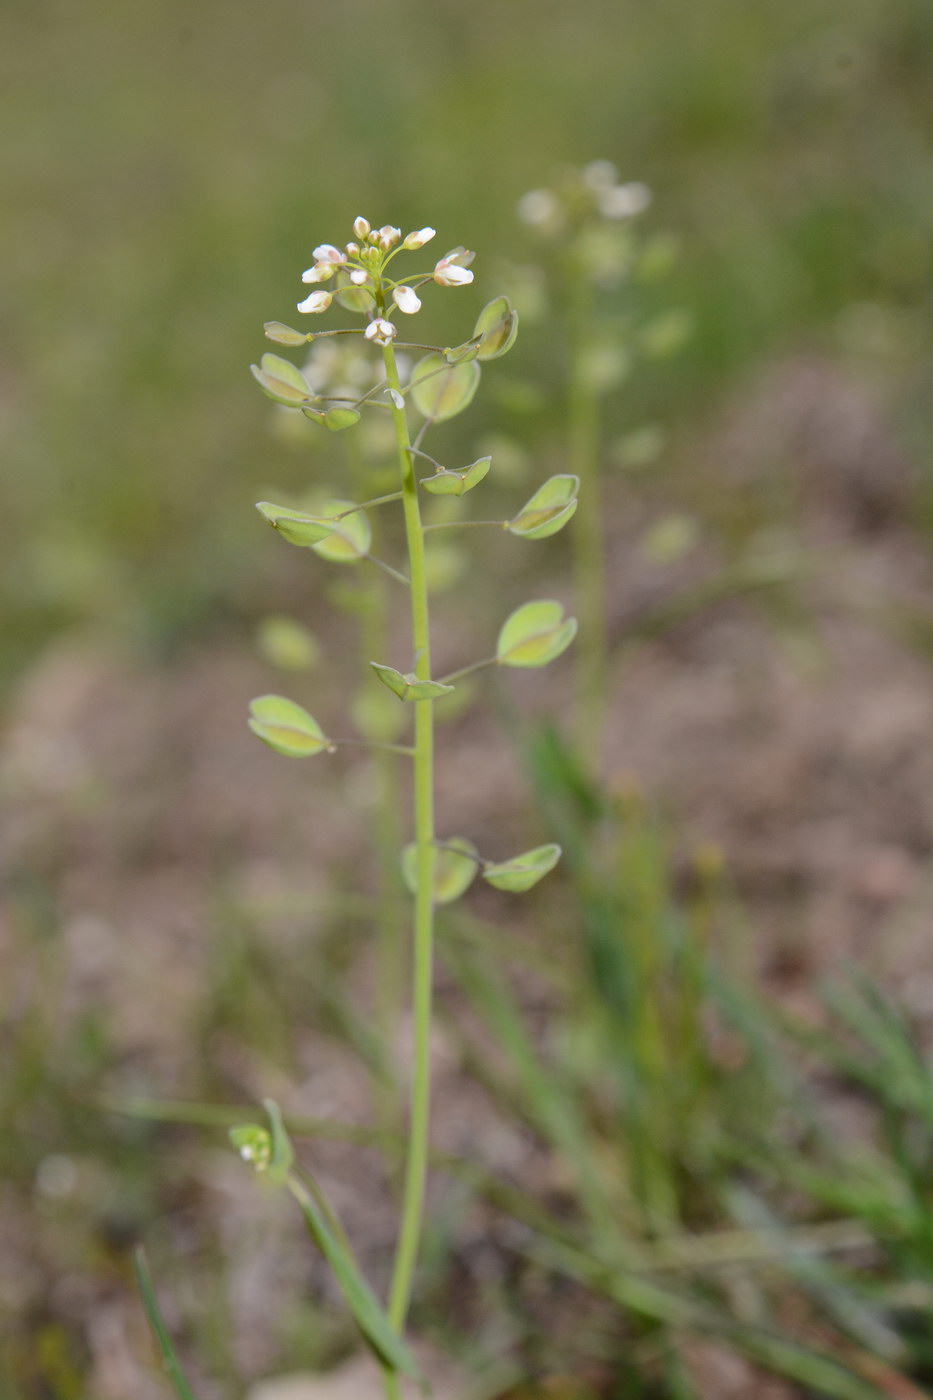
423 949
439 386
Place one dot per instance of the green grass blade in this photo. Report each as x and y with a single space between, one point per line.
170 1360
367 1310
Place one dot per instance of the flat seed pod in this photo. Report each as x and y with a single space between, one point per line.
358 299
441 390
458 481
284 335
339 418
497 327
286 727
350 538
296 526
521 872
281 381
453 872
549 509
409 687
535 634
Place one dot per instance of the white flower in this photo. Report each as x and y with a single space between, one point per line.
381 332
624 201
599 175
326 252
389 236
317 301
449 273
361 227
359 277
538 207
319 272
407 299
418 239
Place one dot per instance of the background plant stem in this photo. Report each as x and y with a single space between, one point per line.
422 970
589 552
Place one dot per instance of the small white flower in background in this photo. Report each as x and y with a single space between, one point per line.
538 208
361 227
317 301
418 239
599 175
624 201
451 270
407 299
381 332
319 272
327 253
358 277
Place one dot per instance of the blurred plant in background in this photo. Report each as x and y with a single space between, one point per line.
597 263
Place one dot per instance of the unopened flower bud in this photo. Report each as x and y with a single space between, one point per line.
359 277
353 250
380 332
361 227
326 252
389 236
319 272
418 239
407 300
317 301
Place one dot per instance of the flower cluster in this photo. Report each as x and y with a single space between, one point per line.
358 273
582 195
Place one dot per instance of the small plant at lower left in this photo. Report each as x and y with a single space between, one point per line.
442 383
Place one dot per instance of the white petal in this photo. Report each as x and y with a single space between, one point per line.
358 277
326 252
448 274
317 301
407 300
419 238
380 331
318 273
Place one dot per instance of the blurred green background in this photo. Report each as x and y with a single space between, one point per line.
167 169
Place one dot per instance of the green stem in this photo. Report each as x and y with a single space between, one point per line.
468 670
409 1237
592 657
464 524
365 505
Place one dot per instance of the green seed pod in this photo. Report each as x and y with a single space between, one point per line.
521 872
409 687
549 509
286 727
441 390
453 872
535 634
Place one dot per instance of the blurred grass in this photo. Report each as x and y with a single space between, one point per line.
167 169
